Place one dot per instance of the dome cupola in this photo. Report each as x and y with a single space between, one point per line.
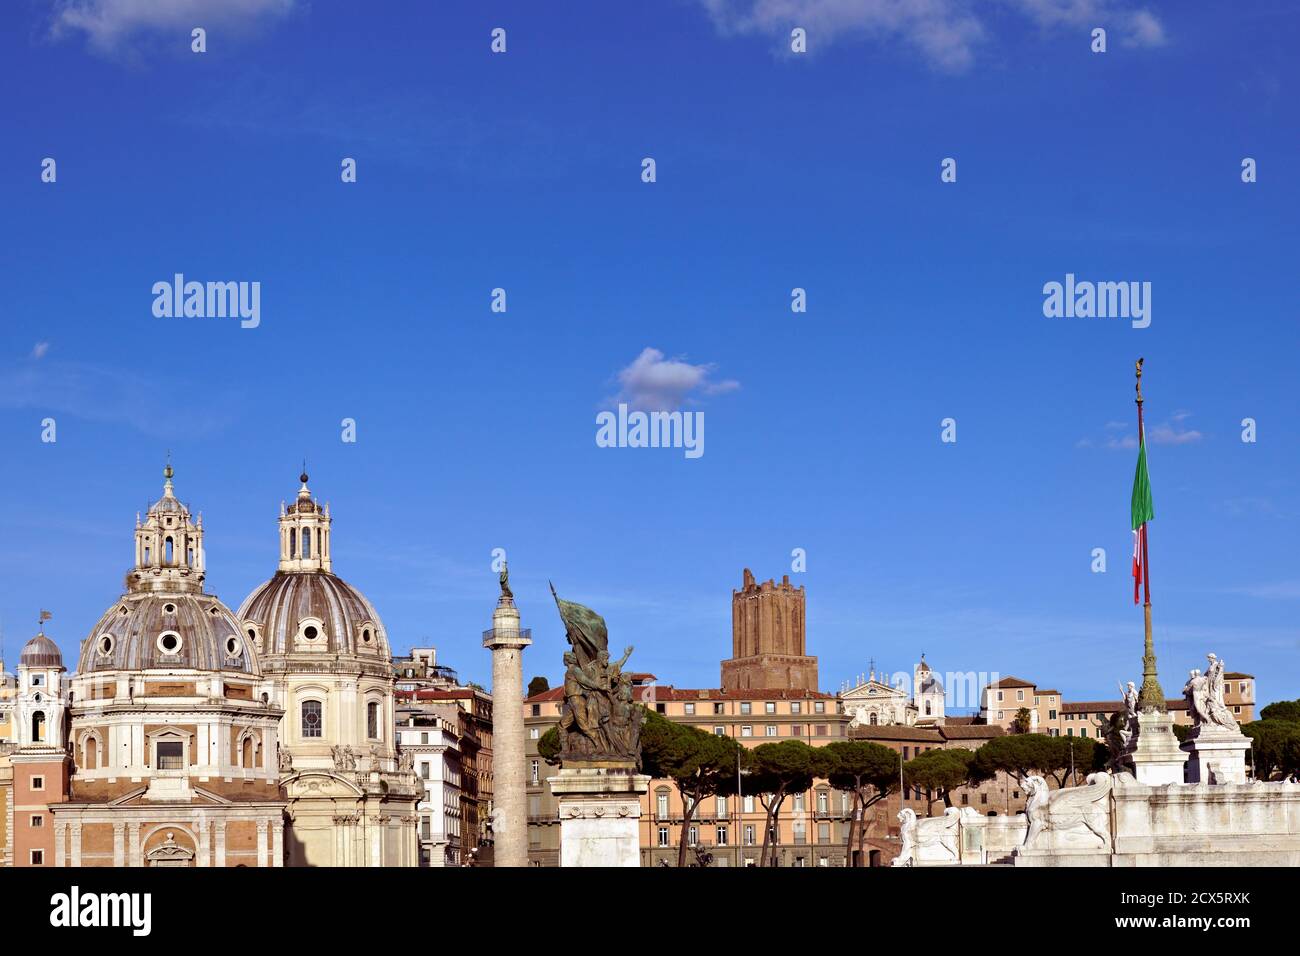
306 608
304 533
165 620
168 546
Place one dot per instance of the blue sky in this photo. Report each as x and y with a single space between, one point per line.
774 170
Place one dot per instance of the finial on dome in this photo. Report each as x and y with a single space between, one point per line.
303 476
167 475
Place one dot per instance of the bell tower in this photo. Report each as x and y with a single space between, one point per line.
305 533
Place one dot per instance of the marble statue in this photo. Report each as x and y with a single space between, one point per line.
286 761
344 758
907 834
600 720
504 579
1069 817
405 761
1204 695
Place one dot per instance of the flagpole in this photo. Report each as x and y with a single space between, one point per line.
1151 697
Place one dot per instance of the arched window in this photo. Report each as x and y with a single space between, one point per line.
146 554
92 753
293 542
873 720
38 727
311 718
306 542
246 754
372 720
167 547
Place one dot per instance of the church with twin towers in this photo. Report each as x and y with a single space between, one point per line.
191 734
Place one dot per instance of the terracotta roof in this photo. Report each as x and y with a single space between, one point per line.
1109 706
458 694
1042 693
970 731
958 721
666 692
1237 675
894 732
1012 682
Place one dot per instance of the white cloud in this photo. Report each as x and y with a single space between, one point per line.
1170 432
39 350
111 24
655 383
946 32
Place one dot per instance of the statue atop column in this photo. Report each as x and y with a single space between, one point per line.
600 723
504 579
1204 694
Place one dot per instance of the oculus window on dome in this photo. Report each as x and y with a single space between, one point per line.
169 642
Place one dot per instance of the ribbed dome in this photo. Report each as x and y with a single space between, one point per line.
40 651
165 631
298 611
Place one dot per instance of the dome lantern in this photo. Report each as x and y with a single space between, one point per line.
168 545
305 533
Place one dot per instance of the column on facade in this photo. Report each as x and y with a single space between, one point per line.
277 843
220 826
60 831
136 855
119 845
74 830
262 858
205 843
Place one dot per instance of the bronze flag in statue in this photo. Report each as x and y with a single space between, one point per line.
600 723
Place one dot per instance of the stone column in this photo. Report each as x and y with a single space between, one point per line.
220 859
60 829
136 855
75 830
204 856
119 845
262 858
507 641
277 843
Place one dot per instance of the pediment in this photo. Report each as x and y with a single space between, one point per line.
305 784
873 690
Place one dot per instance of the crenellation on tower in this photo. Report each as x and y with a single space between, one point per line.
768 637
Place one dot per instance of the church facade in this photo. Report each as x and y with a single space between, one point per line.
192 736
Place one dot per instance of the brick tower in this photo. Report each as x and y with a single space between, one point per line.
767 638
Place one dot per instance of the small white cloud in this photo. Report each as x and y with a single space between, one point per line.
946 32
109 25
39 350
1172 434
654 383
1143 29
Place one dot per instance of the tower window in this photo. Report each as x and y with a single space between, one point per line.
306 542
38 727
311 718
171 755
168 550
293 542
372 720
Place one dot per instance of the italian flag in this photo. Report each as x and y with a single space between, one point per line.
1142 513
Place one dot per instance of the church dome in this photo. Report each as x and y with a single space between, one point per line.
311 611
40 651
145 631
